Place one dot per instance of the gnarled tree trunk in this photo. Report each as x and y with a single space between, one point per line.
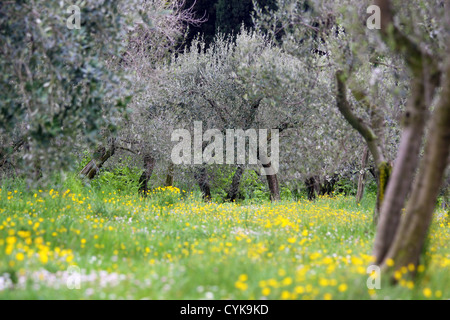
149 165
234 188
425 79
202 179
272 181
5 153
310 184
169 177
327 187
383 173
403 172
101 155
446 195
410 237
371 135
362 176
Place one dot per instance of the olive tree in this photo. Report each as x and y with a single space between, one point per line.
246 83
415 40
57 88
402 238
150 40
345 48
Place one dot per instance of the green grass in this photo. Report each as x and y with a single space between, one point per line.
173 246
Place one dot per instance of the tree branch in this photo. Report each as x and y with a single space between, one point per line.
126 149
214 105
358 124
415 55
344 107
5 153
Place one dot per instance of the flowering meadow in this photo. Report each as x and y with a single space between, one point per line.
171 245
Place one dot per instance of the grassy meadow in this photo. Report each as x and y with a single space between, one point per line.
171 245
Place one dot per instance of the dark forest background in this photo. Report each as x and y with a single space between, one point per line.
225 16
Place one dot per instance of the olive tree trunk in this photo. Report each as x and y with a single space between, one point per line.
371 136
410 237
101 155
235 183
202 179
362 176
310 184
169 177
272 181
425 79
149 165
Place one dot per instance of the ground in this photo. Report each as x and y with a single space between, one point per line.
171 245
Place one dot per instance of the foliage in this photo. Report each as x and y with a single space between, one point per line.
346 186
121 179
56 85
66 89
253 187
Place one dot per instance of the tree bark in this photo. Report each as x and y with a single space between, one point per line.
327 187
374 143
410 237
446 193
404 170
234 188
372 140
272 181
425 79
362 176
149 165
202 179
5 153
310 188
169 177
101 155
383 173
